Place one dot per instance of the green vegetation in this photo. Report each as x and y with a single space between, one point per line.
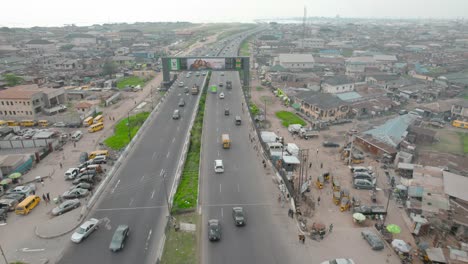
259 88
449 142
181 246
288 118
12 79
120 138
109 68
254 109
464 140
244 49
130 81
187 191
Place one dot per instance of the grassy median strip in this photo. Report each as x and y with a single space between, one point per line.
181 246
121 137
187 192
288 118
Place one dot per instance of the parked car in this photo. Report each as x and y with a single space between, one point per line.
365 176
15 196
118 239
83 157
238 216
75 193
221 96
71 173
363 184
84 178
99 160
24 189
329 144
66 207
60 124
214 230
8 204
374 240
82 185
339 261
85 230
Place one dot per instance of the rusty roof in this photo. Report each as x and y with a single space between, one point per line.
20 92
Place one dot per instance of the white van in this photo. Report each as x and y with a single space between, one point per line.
218 166
77 135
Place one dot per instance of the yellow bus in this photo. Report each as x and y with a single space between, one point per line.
98 119
12 123
27 123
461 124
27 205
3 123
96 127
88 121
95 153
43 123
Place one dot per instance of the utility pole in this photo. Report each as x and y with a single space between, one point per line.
303 157
3 254
386 208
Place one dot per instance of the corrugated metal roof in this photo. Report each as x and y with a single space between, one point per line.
393 131
455 185
349 96
415 191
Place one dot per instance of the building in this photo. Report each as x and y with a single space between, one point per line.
358 65
338 84
321 106
386 81
80 39
40 45
27 101
296 61
460 110
130 34
311 43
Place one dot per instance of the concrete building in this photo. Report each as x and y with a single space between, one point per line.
460 110
80 39
296 61
41 45
130 34
322 106
338 84
27 101
358 65
311 43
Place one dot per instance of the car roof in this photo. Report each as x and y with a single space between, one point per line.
213 221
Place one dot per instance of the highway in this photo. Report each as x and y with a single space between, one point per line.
135 196
243 183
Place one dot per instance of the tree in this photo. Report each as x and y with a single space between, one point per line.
109 68
12 79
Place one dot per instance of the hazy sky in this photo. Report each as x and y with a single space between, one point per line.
87 12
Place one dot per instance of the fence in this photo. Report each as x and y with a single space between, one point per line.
27 143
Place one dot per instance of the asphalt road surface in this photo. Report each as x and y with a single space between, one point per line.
135 196
243 183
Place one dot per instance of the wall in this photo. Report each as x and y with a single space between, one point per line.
29 143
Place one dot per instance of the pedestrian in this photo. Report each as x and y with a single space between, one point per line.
318 200
42 182
61 166
317 151
34 192
44 198
113 118
310 165
321 165
48 197
110 118
330 228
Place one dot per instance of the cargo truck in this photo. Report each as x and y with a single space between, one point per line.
226 141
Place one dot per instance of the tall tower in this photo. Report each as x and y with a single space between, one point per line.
304 21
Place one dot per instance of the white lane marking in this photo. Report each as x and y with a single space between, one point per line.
168 153
217 140
154 155
142 178
178 128
32 249
162 172
238 188
217 129
131 201
173 139
115 186
152 194
133 208
148 239
222 214
218 153
220 187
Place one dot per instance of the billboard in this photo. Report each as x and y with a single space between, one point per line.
206 63
174 64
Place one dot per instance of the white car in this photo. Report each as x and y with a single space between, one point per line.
26 189
60 124
71 173
181 84
221 96
218 166
85 230
339 261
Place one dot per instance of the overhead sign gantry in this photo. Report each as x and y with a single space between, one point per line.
205 63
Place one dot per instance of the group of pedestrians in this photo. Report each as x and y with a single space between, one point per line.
46 198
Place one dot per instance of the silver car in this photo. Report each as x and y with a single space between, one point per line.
85 230
374 240
75 193
66 207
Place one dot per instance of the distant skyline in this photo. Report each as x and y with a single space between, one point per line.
88 12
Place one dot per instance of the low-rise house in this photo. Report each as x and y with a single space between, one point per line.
338 84
383 81
321 106
81 39
122 51
41 46
460 110
296 61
